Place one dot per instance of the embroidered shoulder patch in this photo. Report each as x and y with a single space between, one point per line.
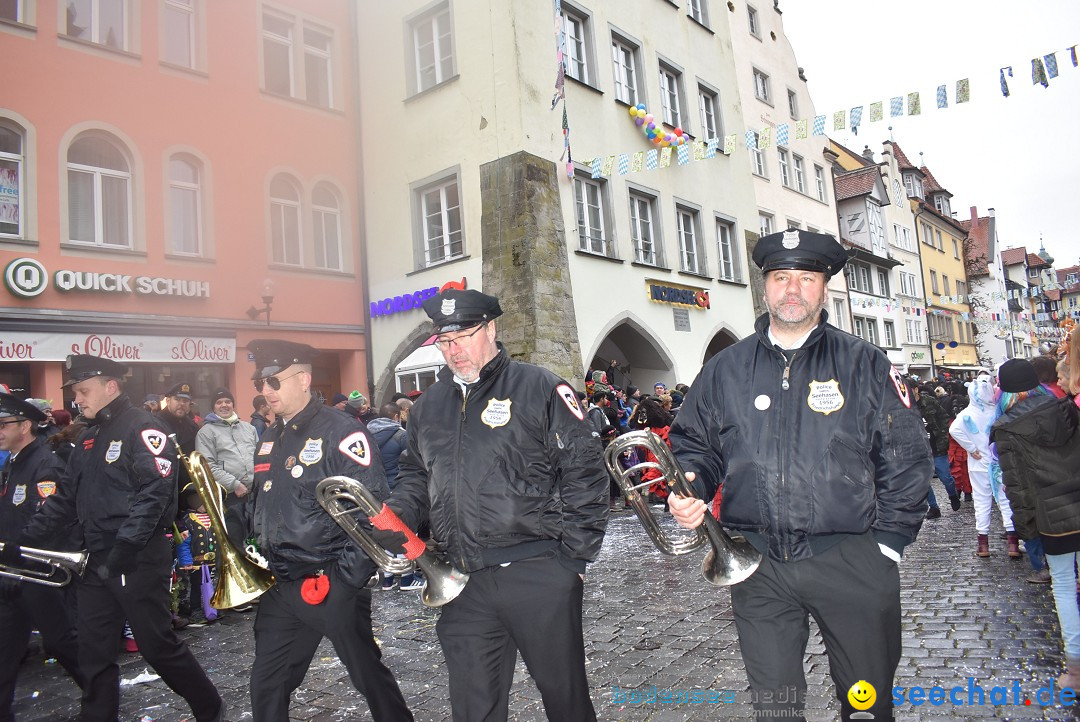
569 397
900 386
355 446
46 488
825 396
164 466
265 448
155 441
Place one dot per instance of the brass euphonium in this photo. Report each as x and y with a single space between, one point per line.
729 561
239 579
343 497
62 566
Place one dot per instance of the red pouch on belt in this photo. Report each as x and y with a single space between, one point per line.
315 588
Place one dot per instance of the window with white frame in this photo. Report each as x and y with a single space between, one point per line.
624 59
589 204
698 11
871 331
752 21
104 22
185 206
12 201
908 284
800 172
837 318
793 104
955 248
913 185
883 282
671 94
99 192
819 179
691 252
730 267
440 211
859 277
12 10
757 162
934 283
792 224
286 245
576 58
945 285
709 107
326 227
178 32
859 328
765 223
761 86
914 328
432 50
890 334
927 234
941 203
785 170
283 56
643 230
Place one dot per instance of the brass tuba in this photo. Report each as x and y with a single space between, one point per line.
343 497
729 561
239 579
62 566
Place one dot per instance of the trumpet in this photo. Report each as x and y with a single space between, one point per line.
729 561
239 579
62 566
343 497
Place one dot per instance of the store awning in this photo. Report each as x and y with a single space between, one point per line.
426 356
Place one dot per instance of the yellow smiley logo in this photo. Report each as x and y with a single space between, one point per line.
862 695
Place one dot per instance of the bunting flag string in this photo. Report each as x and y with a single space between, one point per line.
560 88
1043 69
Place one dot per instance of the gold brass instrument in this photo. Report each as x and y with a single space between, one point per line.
63 565
343 497
728 561
239 579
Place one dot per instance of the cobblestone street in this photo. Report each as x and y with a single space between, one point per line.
651 620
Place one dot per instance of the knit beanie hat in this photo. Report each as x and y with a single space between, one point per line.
1016 375
338 398
356 399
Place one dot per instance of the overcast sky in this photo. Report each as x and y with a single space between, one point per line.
1019 155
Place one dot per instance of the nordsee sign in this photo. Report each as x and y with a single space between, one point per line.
410 301
682 295
27 278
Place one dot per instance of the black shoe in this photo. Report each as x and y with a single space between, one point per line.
934 513
967 496
955 501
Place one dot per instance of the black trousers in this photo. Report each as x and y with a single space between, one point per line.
45 609
533 605
853 592
142 598
287 633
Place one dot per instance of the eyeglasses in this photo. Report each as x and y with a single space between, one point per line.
273 382
12 421
444 343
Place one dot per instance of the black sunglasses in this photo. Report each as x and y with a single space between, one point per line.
273 382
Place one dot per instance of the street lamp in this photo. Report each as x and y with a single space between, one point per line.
267 299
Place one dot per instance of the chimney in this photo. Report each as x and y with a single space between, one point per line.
868 154
974 216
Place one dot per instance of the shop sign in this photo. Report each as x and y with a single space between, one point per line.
411 301
27 277
45 346
681 295
918 356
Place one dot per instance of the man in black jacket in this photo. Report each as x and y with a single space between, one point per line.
28 478
825 469
937 421
503 464
124 496
175 414
320 571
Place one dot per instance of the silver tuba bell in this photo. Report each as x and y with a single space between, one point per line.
343 498
729 561
62 566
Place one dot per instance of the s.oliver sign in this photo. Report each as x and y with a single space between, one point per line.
44 346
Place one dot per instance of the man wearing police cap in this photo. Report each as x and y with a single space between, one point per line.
175 416
502 463
28 478
320 571
123 493
825 469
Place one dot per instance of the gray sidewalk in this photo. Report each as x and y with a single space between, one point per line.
652 621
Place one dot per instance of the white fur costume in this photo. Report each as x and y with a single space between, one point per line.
971 429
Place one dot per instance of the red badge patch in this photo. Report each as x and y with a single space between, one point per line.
164 466
46 488
355 446
900 386
154 440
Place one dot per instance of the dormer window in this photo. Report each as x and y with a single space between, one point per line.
941 203
913 185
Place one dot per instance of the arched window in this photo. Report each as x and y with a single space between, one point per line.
285 221
185 198
327 224
12 153
99 193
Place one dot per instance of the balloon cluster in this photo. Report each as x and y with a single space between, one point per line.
654 131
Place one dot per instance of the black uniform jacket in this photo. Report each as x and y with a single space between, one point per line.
123 471
507 472
841 450
295 534
34 475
